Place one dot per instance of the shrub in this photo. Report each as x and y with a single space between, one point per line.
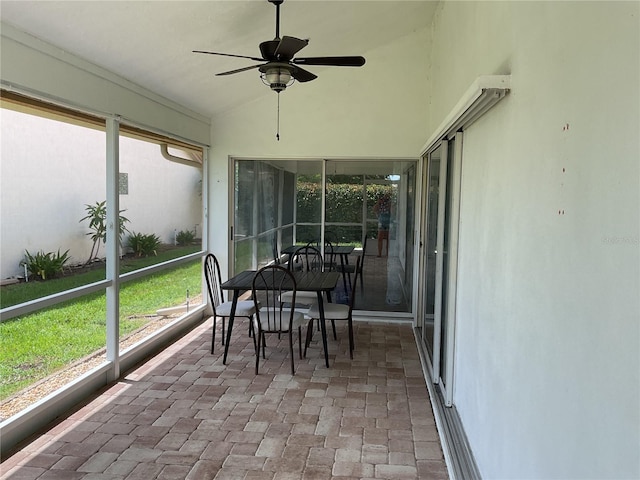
144 245
343 204
185 237
46 265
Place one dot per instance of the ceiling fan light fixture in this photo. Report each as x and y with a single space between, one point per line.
277 78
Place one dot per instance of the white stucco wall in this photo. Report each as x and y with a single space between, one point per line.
50 170
547 370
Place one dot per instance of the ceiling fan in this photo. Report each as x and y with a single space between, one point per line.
281 68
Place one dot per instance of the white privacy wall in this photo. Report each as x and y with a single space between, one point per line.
377 111
50 171
547 366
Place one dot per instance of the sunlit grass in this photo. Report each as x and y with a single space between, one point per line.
23 292
38 344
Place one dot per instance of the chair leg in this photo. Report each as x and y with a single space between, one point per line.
293 370
251 326
333 326
264 342
258 348
300 341
309 336
255 345
213 335
350 322
222 330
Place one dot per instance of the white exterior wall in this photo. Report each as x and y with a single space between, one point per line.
547 367
49 171
45 181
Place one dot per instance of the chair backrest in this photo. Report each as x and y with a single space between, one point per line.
214 281
329 257
327 251
352 297
269 283
307 259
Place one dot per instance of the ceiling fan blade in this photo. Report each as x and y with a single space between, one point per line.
289 46
231 72
268 49
229 55
302 75
331 61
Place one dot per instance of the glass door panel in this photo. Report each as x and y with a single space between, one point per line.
259 196
409 194
448 195
431 221
279 203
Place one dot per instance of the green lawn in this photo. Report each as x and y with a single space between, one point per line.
23 292
36 345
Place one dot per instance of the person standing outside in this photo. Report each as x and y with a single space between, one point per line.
382 209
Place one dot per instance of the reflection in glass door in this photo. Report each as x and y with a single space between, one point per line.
434 163
442 197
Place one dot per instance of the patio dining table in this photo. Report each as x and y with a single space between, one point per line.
319 282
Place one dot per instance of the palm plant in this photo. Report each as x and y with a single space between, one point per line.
97 214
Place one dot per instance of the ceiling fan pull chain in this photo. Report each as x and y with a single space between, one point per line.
278 125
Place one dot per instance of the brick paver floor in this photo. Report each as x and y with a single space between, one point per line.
185 415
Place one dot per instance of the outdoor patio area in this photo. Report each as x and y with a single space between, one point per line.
185 415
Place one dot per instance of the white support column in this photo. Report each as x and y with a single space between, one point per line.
257 209
278 245
365 225
205 200
204 245
112 247
295 209
323 210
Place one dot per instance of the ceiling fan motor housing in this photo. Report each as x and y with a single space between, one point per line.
277 75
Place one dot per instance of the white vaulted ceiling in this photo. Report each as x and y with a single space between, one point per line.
150 42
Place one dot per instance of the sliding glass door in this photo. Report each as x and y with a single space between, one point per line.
439 238
365 204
